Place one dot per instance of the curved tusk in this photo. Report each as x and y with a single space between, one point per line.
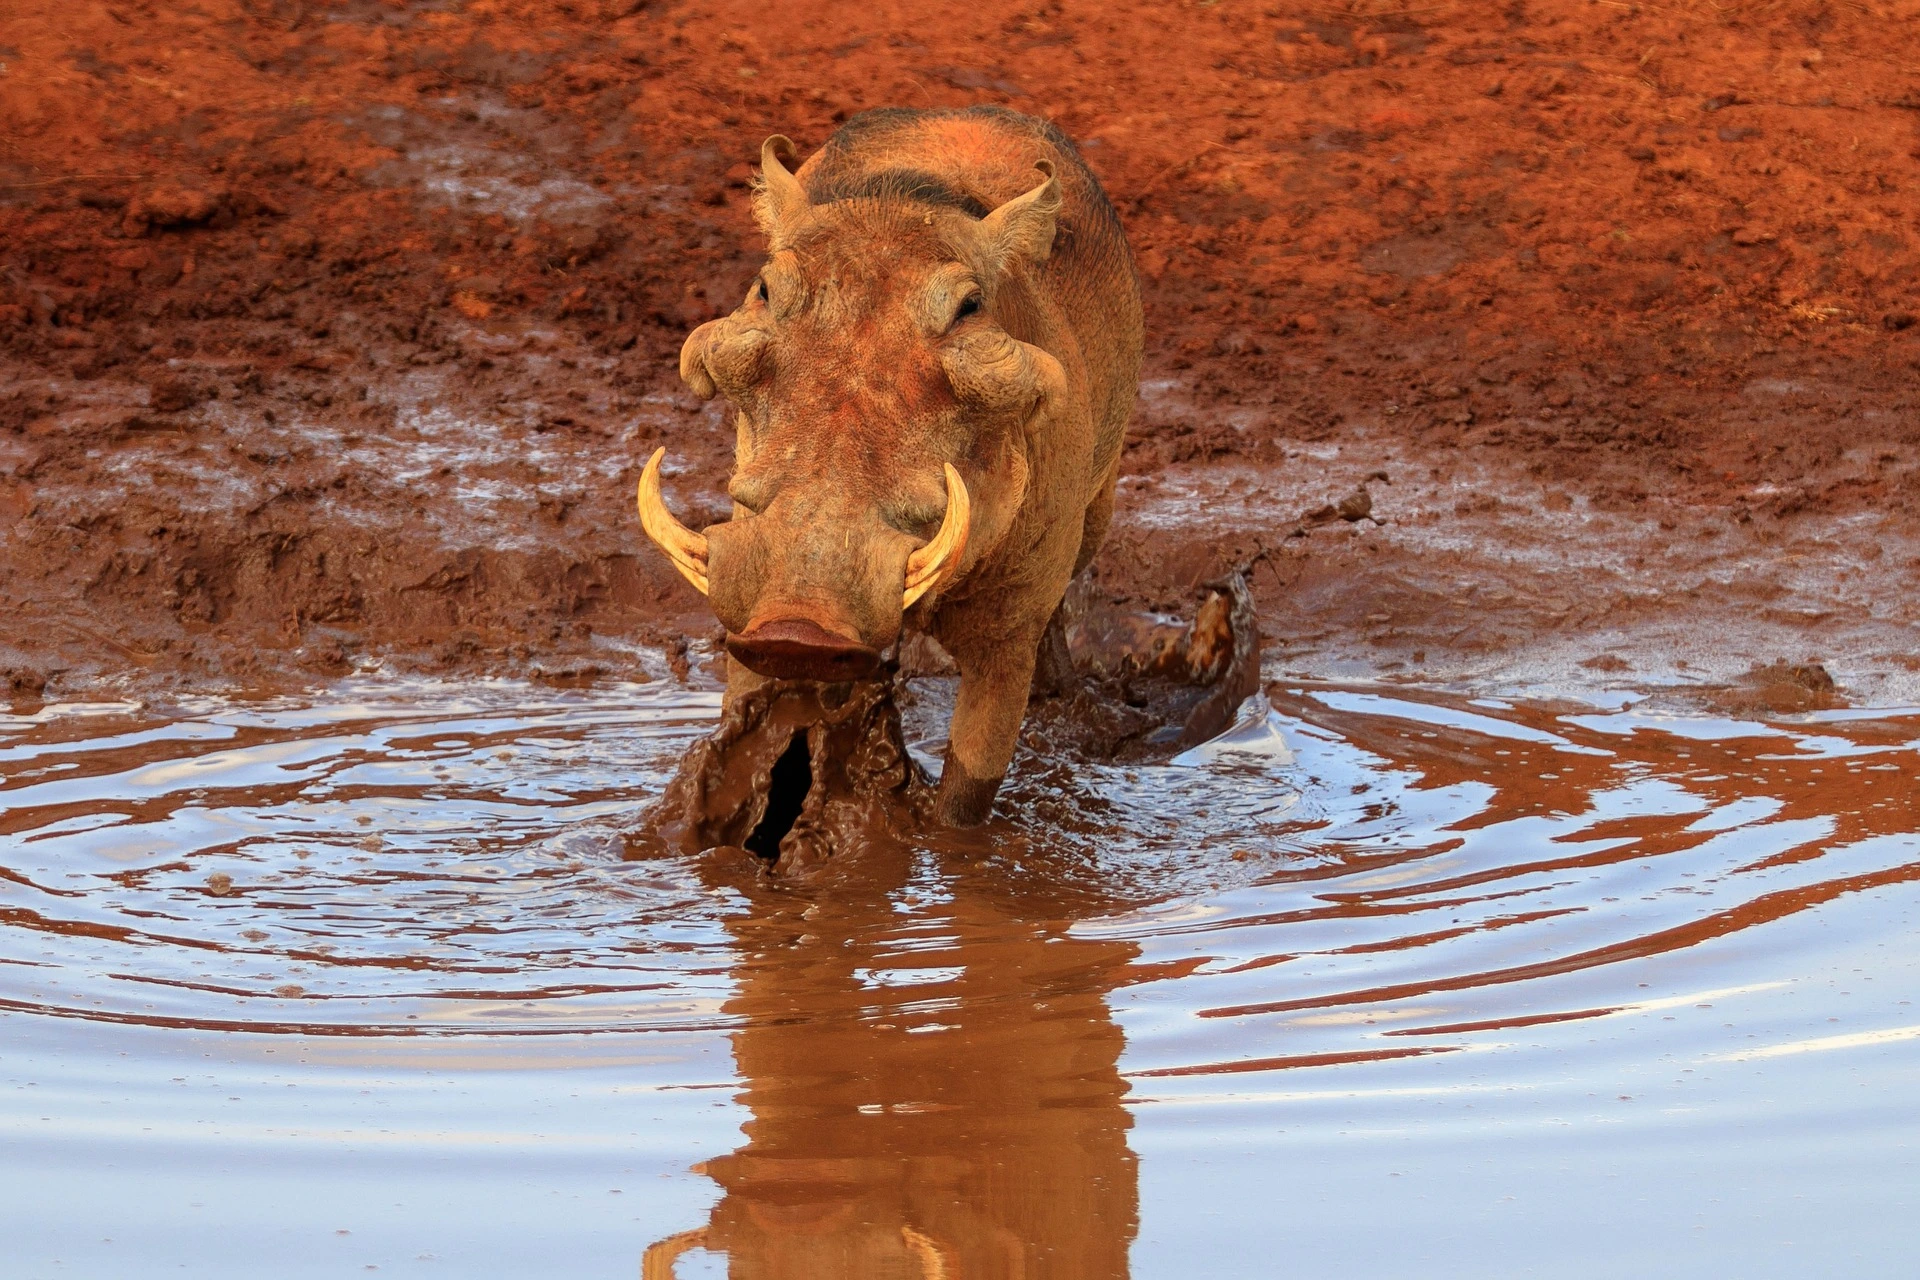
657 1263
927 1252
938 559
687 549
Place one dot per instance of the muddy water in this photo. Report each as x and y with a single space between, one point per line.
1385 982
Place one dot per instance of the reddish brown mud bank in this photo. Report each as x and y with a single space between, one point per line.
335 333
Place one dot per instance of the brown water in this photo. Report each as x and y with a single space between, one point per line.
1391 982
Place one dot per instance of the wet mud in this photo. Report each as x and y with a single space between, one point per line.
335 333
796 772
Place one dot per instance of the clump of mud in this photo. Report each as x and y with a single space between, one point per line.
1148 685
1780 688
799 772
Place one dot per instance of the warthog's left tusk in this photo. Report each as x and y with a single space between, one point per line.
687 549
938 559
657 1262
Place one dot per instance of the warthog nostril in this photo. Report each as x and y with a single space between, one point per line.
801 649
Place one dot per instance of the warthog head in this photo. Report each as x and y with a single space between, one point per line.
882 406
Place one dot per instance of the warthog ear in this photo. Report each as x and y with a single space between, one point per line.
1023 226
778 198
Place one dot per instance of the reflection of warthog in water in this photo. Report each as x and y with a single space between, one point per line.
922 1112
932 375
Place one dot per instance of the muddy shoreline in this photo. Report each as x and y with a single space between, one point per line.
335 335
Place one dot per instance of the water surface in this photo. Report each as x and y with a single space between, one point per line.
1393 981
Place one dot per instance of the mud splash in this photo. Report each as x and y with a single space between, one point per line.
348 981
800 771
797 772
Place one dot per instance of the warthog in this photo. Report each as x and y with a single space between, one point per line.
931 376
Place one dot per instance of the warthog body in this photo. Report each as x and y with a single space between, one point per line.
932 376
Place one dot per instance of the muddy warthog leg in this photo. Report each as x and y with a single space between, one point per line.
986 722
1053 673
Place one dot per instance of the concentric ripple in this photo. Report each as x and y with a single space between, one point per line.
1369 932
1463 869
431 860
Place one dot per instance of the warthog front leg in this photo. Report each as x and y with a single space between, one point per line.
986 723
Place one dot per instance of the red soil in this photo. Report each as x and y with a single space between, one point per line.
337 331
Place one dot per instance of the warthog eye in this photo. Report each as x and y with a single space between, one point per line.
969 306
759 290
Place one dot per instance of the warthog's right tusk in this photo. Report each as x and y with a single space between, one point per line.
927 1252
687 549
937 560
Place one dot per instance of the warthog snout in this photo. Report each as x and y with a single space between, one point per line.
798 648
799 602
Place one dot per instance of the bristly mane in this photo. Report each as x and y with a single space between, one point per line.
839 179
896 184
